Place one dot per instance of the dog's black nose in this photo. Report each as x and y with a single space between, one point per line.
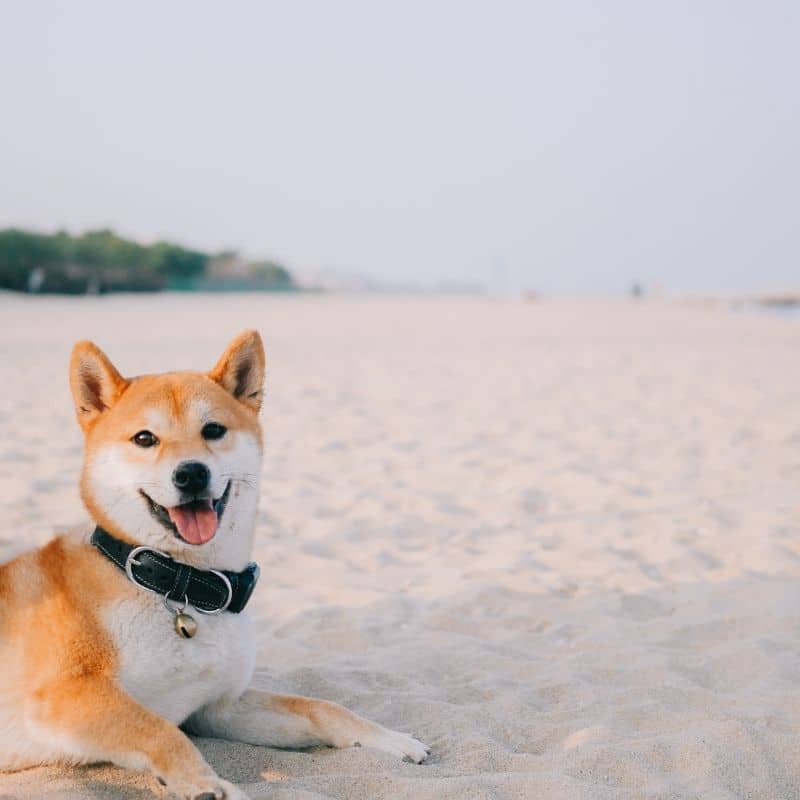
191 477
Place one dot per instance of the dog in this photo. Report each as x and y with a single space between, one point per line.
117 639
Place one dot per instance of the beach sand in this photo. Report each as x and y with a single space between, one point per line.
557 541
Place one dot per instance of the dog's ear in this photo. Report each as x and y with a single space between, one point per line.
240 370
94 381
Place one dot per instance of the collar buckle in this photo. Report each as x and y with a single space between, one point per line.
131 561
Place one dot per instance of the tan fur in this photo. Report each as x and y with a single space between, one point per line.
62 626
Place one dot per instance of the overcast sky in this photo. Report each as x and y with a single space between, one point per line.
560 146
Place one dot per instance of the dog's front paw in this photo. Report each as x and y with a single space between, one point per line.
399 744
222 790
206 789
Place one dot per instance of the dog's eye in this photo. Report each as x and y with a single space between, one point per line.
145 439
213 430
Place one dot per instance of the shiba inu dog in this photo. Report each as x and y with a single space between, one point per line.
112 638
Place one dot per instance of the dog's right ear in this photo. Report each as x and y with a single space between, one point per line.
240 369
94 381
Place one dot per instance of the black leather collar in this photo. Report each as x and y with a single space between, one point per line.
209 591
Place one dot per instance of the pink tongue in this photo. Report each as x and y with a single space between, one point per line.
196 524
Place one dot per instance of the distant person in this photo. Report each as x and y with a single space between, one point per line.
636 290
36 279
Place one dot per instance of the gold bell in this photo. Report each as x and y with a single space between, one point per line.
185 625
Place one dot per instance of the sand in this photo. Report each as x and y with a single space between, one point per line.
558 541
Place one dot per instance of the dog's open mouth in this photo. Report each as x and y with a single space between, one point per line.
196 522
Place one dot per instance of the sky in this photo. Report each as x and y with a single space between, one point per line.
560 147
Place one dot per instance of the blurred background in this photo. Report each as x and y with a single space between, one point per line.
531 464
505 147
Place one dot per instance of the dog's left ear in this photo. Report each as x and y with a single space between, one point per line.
240 370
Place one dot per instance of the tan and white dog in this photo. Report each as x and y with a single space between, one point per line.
94 663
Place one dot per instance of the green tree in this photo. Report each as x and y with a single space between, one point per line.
172 260
272 273
103 248
21 252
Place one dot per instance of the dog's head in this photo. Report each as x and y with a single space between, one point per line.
172 461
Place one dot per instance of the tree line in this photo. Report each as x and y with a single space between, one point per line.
100 261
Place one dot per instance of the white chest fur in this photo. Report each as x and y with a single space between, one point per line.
172 676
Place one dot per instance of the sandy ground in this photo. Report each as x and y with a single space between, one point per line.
558 541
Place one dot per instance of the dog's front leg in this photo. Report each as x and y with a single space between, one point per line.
288 721
90 719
